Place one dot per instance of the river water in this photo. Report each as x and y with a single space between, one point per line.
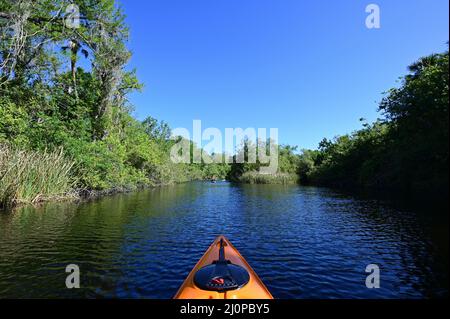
304 242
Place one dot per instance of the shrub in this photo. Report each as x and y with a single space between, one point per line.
258 178
31 176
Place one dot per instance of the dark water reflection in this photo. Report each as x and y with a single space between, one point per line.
304 242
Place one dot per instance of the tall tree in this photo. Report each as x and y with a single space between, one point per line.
30 31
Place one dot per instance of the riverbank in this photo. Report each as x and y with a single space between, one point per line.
32 177
54 155
258 178
69 126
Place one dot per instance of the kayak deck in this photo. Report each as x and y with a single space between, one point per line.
253 289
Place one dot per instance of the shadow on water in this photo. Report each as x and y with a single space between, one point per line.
304 242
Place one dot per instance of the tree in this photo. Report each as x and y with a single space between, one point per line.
30 31
74 47
155 129
406 151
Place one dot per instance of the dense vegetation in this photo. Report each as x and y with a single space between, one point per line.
64 91
247 164
405 152
30 176
66 124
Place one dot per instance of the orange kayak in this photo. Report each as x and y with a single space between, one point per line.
222 273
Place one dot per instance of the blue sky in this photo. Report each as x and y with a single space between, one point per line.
309 68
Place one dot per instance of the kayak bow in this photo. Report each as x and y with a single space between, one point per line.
222 273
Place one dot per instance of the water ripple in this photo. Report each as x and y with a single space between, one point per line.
304 242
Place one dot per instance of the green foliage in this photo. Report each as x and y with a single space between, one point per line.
48 102
247 164
30 176
288 161
13 123
307 161
418 113
348 160
215 171
258 178
156 130
406 152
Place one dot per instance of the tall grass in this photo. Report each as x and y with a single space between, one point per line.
258 178
31 176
